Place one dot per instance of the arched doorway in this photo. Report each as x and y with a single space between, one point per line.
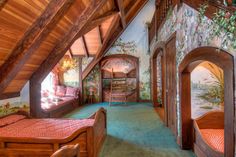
158 96
167 53
223 60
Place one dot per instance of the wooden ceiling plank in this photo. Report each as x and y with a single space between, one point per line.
120 6
85 47
115 24
115 36
130 5
2 3
98 21
32 39
62 46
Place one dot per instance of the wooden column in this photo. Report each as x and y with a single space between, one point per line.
80 60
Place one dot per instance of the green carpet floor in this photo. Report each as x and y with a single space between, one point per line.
134 131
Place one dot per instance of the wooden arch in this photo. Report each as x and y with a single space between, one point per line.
160 48
225 61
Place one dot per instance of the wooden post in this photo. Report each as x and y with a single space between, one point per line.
80 61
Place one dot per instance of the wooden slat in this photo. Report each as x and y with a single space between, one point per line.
98 21
58 52
2 3
32 40
112 29
85 48
120 6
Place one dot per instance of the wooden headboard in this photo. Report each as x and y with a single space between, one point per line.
211 120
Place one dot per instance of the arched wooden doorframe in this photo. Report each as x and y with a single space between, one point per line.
226 62
160 48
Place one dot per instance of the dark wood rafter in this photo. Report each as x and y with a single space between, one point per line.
98 21
2 3
120 6
9 95
32 40
115 24
114 37
71 53
80 61
130 5
85 47
100 35
58 52
107 40
135 8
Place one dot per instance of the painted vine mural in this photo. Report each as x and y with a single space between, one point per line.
194 30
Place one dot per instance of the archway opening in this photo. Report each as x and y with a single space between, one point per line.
188 137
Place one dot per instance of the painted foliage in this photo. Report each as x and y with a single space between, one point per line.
12 105
91 85
134 41
207 89
190 35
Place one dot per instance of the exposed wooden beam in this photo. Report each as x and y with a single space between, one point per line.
80 64
58 52
2 3
136 7
115 36
130 5
71 53
31 40
9 95
85 48
98 21
120 5
100 35
115 24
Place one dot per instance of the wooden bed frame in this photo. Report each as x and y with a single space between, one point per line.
211 120
90 140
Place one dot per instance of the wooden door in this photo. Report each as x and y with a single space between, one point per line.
170 75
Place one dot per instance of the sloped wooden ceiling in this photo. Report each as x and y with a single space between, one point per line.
35 34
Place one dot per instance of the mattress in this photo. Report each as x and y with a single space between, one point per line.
44 128
214 138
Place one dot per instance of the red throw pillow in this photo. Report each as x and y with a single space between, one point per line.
70 91
61 91
10 119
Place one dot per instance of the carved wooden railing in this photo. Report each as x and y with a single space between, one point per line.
162 7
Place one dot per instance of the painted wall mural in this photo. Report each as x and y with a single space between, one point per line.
134 41
91 86
12 105
207 89
190 35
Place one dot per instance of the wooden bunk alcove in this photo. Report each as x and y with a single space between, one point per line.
226 62
132 74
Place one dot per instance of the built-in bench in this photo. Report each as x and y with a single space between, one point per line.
64 100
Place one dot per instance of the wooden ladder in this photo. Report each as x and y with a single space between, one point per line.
118 88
